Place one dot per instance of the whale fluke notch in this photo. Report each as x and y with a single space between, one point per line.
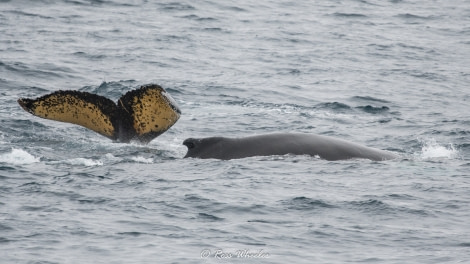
140 115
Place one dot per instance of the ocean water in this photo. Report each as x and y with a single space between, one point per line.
388 74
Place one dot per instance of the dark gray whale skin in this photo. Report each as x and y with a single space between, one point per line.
325 147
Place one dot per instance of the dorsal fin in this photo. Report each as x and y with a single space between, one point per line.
92 111
151 109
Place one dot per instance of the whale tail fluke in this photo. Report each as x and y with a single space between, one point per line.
141 114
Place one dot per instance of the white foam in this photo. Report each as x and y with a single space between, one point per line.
431 149
17 157
141 159
84 162
111 157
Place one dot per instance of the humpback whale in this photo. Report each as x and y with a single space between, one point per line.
145 113
325 147
139 115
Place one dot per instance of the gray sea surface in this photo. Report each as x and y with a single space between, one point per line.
388 74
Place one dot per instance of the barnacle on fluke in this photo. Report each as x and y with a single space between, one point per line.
140 115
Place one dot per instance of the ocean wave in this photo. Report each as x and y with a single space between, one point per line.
373 109
408 16
377 206
83 162
107 159
304 203
369 99
140 159
112 89
176 6
18 157
349 15
335 106
198 18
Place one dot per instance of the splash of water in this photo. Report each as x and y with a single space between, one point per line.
18 157
432 149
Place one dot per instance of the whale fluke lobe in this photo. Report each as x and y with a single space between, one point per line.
141 114
81 108
151 110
